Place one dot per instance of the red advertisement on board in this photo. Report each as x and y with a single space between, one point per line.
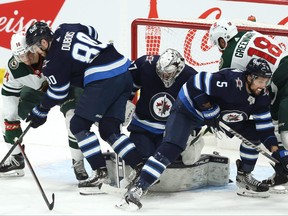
19 15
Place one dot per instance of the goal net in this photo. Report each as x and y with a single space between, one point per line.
191 39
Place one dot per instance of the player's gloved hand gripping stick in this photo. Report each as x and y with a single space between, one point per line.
18 142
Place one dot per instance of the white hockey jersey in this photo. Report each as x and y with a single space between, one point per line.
17 76
252 44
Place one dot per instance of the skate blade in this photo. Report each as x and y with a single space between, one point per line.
279 189
124 205
90 191
250 193
12 173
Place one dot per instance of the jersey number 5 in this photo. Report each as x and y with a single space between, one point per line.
221 84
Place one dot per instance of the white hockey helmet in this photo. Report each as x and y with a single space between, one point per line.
169 65
19 47
223 28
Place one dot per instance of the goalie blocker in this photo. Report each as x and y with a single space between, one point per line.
209 170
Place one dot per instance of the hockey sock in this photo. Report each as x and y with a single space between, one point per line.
76 153
125 149
153 169
90 147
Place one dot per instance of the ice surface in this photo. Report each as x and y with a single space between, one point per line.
47 150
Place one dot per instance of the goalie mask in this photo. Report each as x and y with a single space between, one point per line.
222 29
19 47
169 66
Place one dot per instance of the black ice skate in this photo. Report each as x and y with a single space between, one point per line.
13 166
278 181
278 178
248 185
93 184
79 170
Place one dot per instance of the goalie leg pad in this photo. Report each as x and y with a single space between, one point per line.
209 170
192 152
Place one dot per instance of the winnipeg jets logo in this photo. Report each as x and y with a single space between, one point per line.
160 106
233 116
239 83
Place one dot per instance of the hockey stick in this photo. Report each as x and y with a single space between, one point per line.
49 205
19 141
247 142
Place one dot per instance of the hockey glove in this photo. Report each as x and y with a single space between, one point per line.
12 131
282 156
212 117
37 116
130 109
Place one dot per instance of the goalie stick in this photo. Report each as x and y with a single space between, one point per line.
247 142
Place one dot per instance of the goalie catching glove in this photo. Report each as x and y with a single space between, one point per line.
37 116
12 131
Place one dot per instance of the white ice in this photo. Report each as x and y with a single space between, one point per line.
47 150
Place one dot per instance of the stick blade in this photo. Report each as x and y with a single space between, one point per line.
51 205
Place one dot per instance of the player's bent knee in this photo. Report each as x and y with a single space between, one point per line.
78 124
170 151
108 127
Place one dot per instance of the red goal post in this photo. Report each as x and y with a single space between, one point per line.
191 39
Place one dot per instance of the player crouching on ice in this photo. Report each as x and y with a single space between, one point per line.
229 95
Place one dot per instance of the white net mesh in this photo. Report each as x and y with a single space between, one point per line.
191 39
